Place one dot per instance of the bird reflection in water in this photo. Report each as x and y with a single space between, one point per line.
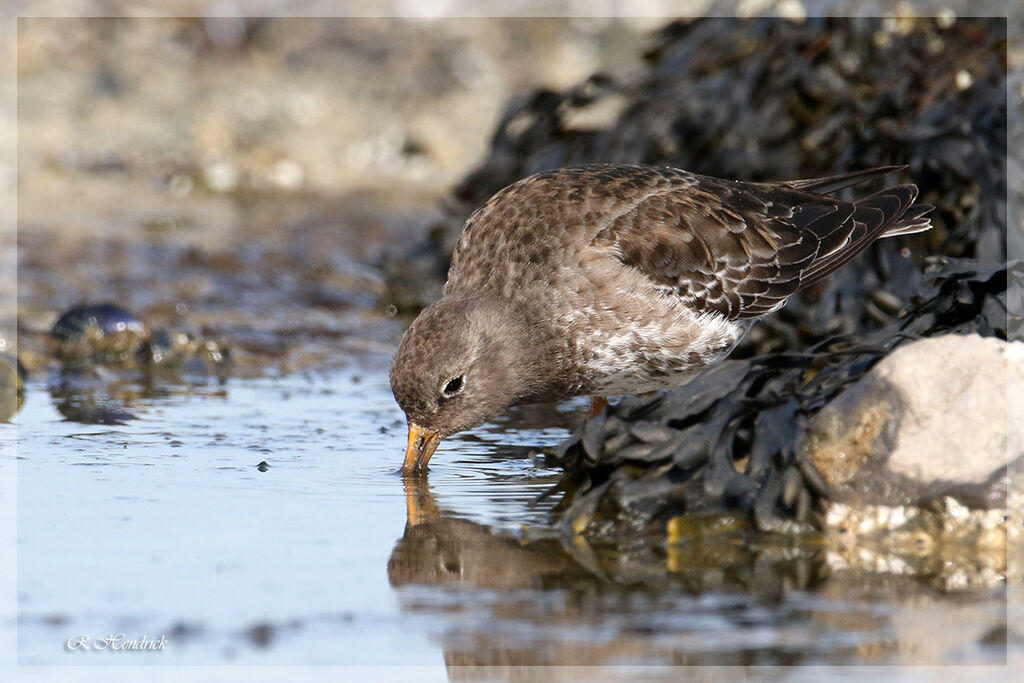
511 601
440 548
703 596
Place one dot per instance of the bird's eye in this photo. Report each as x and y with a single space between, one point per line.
453 386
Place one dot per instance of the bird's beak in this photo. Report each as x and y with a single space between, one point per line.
422 444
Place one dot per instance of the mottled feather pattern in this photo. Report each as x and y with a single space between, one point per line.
688 260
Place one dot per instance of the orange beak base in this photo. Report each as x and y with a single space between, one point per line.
422 444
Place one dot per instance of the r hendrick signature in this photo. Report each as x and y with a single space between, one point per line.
115 642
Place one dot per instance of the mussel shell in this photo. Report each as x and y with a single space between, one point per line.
103 319
100 332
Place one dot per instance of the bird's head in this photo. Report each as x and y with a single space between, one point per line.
461 363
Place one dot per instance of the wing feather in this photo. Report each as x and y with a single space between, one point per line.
741 249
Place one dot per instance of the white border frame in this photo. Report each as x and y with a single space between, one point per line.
654 9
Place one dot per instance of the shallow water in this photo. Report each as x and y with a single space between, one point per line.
165 525
143 509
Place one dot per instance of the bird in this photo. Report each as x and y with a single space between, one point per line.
614 279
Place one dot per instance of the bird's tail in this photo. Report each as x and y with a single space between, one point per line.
838 182
887 213
913 221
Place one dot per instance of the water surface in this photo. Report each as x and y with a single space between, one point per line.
168 525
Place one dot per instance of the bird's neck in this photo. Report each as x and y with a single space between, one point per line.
527 345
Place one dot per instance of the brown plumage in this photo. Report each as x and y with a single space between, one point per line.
616 279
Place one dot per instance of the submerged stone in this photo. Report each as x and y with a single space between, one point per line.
109 358
958 547
101 332
177 351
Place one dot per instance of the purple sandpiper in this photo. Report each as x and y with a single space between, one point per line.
613 279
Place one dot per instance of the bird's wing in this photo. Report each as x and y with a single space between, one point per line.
740 249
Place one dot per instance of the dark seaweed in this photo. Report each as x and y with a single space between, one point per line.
731 439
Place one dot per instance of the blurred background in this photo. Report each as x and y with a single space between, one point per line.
240 175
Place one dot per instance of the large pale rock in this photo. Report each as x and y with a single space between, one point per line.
931 419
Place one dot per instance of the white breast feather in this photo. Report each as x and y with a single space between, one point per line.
614 364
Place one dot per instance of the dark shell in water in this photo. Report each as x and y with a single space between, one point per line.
103 319
99 331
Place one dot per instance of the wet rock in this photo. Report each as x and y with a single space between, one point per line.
930 420
109 358
100 332
177 351
108 334
957 547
